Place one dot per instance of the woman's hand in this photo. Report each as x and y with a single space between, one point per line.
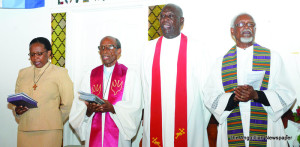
20 110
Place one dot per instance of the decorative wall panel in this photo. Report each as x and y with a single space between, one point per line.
153 22
58 25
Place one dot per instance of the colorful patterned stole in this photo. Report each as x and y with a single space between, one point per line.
258 119
180 138
111 131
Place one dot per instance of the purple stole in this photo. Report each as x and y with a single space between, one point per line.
258 117
111 131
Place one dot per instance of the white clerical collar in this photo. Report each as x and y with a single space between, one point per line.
244 50
177 38
108 70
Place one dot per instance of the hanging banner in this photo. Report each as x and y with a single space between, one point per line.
21 4
66 2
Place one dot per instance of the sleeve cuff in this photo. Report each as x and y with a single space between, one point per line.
86 118
231 103
262 98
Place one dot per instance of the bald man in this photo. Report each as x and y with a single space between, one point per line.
172 78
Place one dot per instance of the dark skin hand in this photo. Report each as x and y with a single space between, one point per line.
93 107
244 93
20 110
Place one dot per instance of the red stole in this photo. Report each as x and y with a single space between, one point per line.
111 131
180 130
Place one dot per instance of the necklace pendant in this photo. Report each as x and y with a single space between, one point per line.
34 86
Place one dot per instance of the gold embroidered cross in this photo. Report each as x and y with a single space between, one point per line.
155 142
180 133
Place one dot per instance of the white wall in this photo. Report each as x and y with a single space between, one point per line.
206 21
17 29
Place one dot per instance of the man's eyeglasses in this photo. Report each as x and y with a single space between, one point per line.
109 47
242 24
38 54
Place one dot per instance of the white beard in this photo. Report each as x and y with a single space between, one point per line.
246 39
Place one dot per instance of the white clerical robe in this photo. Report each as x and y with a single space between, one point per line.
280 95
128 110
198 115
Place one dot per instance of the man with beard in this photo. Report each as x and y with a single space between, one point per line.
248 91
114 123
172 75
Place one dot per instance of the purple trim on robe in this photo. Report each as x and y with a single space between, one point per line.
230 54
258 121
233 132
234 114
229 67
261 57
229 82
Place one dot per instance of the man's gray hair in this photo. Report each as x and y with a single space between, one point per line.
234 19
118 43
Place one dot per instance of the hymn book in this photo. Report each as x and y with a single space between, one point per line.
22 99
91 98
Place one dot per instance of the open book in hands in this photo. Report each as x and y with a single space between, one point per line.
90 98
22 99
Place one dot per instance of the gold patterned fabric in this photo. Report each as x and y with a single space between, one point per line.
153 22
58 27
